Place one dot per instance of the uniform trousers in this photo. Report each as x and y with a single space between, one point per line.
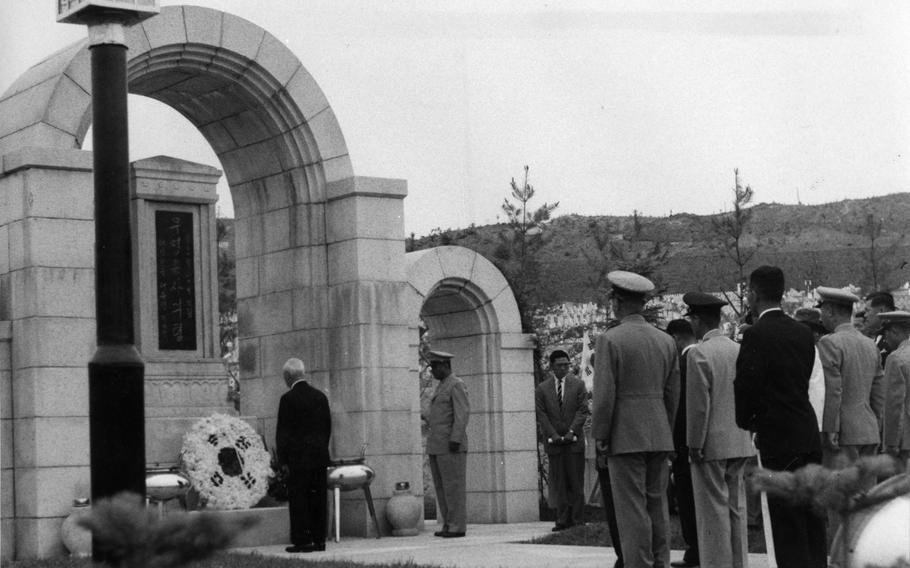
639 482
799 532
449 471
720 512
307 508
567 487
606 491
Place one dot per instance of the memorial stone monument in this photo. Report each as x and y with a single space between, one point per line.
322 275
175 277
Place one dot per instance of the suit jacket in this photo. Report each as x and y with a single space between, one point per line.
711 423
897 405
772 385
304 428
448 417
636 388
554 421
854 394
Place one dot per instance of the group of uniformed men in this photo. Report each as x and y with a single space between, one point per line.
694 394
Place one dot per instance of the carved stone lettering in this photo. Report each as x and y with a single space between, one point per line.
176 280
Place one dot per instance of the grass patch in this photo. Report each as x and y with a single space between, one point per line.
223 560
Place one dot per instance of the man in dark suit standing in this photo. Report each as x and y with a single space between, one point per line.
302 443
681 332
562 408
636 392
772 399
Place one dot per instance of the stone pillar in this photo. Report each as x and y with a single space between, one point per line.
7 499
47 296
519 426
175 279
375 400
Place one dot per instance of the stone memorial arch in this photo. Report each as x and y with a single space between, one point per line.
469 310
321 274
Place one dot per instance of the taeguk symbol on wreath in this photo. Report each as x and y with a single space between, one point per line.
226 462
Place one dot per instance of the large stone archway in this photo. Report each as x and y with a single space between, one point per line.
320 258
470 311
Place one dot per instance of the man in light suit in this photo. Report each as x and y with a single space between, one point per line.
636 392
447 444
896 332
718 449
302 446
561 402
772 399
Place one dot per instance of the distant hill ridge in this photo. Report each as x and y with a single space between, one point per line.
827 244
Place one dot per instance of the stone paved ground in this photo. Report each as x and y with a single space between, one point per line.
485 546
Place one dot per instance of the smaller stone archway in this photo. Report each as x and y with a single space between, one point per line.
471 312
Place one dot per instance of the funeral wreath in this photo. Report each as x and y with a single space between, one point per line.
226 462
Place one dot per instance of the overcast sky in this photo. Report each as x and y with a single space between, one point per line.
615 106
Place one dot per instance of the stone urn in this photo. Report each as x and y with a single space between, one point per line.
76 538
403 510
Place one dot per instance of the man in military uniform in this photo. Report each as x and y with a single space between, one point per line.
896 331
447 444
718 448
854 394
636 392
877 303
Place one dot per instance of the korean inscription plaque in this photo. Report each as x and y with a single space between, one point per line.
176 280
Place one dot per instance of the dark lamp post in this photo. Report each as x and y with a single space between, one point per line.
116 371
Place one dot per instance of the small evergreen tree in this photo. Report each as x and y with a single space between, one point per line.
730 228
520 243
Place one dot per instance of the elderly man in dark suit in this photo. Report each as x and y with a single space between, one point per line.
718 449
302 444
772 399
561 402
447 444
636 392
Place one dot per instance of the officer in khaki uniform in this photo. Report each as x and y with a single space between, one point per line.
636 393
447 445
718 448
896 331
854 391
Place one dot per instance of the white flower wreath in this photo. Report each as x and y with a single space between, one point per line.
226 462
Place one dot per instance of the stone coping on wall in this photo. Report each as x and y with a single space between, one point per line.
48 158
364 186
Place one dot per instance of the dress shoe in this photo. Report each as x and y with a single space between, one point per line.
444 530
315 547
295 549
558 528
449 534
683 564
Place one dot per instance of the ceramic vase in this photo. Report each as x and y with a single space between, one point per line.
403 510
76 538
